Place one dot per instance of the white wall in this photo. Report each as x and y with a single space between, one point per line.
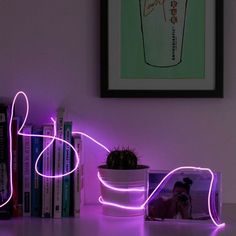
50 49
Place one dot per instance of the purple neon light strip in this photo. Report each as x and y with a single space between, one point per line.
21 93
92 139
120 206
42 136
160 186
210 203
53 139
156 191
119 189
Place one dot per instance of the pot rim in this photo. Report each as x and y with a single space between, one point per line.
139 167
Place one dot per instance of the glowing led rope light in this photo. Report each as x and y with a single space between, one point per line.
21 93
211 206
92 139
120 206
40 136
159 188
141 189
61 140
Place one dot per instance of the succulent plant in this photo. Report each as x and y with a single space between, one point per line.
124 159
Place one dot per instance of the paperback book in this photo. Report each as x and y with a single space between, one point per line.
58 165
47 170
27 160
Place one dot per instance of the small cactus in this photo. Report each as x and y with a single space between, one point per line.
124 159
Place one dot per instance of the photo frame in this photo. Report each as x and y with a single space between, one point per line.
162 48
180 199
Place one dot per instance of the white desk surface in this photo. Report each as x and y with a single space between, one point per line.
93 223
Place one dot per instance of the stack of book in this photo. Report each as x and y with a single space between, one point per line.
33 194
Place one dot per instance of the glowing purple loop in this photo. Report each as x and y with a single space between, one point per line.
61 140
42 136
92 139
211 202
211 205
53 138
141 189
120 206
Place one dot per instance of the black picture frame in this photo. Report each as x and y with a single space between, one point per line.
107 51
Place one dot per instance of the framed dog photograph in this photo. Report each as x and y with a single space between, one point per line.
184 196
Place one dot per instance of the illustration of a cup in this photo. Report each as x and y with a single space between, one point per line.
162 26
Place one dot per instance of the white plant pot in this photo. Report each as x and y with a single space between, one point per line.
136 178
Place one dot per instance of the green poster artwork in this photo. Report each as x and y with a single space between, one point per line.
163 39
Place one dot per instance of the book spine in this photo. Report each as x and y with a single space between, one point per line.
36 184
77 178
27 150
20 173
16 211
66 168
58 166
48 170
5 211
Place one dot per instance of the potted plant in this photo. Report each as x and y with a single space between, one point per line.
123 184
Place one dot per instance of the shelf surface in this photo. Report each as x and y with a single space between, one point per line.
93 223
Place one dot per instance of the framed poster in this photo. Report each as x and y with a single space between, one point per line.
162 48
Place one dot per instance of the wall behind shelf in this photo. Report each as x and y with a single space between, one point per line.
50 49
